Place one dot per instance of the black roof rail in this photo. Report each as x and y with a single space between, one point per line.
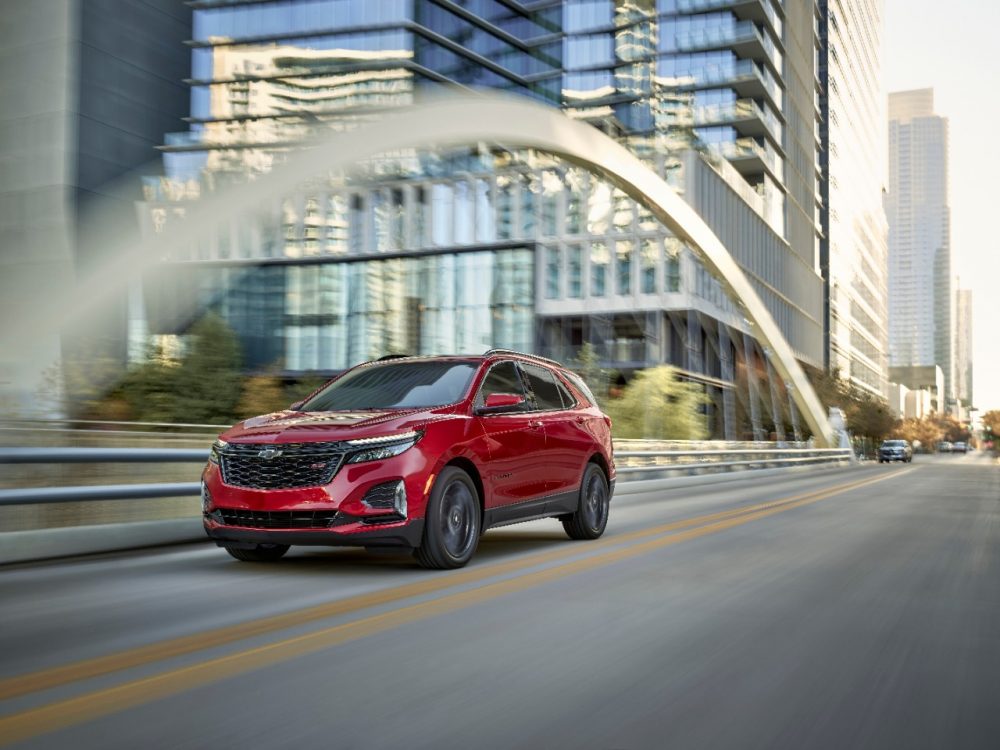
490 352
392 356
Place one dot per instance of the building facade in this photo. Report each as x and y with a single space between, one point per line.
461 250
854 247
88 88
921 280
963 348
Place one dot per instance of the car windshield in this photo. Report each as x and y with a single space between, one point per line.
395 385
894 443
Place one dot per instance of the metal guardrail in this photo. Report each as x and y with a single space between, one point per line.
631 464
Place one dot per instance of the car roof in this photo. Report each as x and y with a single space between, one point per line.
491 355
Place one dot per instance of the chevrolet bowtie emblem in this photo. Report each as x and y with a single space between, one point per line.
268 453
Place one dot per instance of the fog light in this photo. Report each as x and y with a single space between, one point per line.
387 496
399 499
206 499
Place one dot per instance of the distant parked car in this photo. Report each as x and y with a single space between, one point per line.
959 448
944 447
895 450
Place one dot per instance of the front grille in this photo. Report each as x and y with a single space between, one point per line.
276 466
279 519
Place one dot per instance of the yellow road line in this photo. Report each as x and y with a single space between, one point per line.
32 682
61 714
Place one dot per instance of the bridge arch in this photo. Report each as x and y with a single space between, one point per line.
456 120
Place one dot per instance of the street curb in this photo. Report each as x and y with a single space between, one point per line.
44 544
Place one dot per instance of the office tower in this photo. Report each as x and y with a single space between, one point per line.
963 347
461 250
921 290
854 247
89 88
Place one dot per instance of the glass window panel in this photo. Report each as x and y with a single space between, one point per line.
505 207
442 197
552 271
672 265
574 271
598 208
650 260
599 261
485 229
623 266
463 213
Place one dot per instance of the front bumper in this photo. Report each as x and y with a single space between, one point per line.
892 457
405 534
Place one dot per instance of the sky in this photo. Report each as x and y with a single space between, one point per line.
952 47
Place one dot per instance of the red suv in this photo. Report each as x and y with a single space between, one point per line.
421 453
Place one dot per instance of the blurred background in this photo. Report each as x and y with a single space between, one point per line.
769 118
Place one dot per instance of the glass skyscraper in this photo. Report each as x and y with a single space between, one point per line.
465 249
854 246
921 281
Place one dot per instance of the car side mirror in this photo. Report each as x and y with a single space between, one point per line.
501 403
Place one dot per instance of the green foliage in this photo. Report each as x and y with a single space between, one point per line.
658 406
208 379
261 394
991 425
587 365
867 415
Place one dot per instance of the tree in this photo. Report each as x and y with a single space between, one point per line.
587 365
991 425
150 389
261 394
922 433
659 406
208 379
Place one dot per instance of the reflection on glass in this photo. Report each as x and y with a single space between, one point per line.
442 220
574 271
623 266
650 256
552 269
599 260
598 208
672 265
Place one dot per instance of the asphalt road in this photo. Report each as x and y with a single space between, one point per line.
848 608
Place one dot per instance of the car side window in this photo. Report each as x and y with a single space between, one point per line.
502 378
543 384
567 398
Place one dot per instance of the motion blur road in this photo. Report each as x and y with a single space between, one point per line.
837 608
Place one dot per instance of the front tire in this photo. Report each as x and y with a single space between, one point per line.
452 522
260 553
591 517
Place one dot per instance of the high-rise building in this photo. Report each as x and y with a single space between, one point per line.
963 347
854 250
921 281
461 250
88 90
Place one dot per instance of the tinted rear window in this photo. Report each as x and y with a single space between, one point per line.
543 384
401 385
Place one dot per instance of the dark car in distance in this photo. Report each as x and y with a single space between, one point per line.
895 450
414 453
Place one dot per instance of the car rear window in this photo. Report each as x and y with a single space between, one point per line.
396 385
545 387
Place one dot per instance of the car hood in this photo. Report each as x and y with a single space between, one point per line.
313 426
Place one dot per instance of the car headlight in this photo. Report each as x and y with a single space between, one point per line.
217 447
378 448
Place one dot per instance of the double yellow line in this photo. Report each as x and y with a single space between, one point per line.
88 706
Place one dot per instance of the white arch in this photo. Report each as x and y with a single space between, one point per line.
465 119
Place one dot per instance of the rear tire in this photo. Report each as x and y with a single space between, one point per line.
591 517
452 523
260 553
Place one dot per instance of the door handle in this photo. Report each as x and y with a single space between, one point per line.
534 424
579 420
